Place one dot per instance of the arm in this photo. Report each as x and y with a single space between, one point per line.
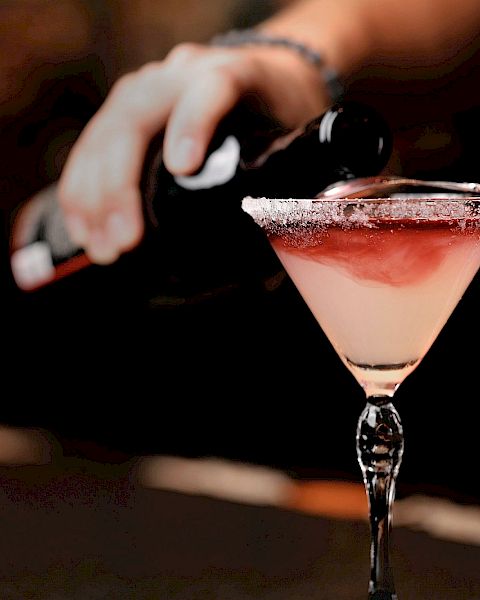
406 33
188 94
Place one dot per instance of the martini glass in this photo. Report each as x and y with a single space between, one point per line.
381 274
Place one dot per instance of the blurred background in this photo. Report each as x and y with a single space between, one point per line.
111 368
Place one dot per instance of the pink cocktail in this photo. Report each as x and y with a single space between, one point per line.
381 276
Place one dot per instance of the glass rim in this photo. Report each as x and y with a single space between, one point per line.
407 197
275 213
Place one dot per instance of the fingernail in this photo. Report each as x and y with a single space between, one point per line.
99 249
77 229
119 229
183 155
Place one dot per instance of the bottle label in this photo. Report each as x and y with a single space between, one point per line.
32 265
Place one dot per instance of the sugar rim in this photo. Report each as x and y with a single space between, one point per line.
278 213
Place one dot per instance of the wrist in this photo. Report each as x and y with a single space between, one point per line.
306 57
344 43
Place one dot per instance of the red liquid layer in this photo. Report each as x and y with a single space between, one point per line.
391 253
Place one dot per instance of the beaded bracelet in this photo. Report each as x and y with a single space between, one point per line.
245 37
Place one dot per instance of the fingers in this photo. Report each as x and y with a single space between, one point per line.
195 117
99 187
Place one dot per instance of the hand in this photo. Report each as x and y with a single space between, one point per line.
186 95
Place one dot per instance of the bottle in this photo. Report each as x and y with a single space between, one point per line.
195 228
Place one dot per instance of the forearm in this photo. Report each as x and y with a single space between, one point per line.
407 33
322 25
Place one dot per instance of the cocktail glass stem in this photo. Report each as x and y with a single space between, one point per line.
379 450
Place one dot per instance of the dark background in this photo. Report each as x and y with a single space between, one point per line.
115 366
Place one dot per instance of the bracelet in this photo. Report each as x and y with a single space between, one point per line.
245 37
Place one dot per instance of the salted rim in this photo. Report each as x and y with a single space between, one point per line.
277 213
